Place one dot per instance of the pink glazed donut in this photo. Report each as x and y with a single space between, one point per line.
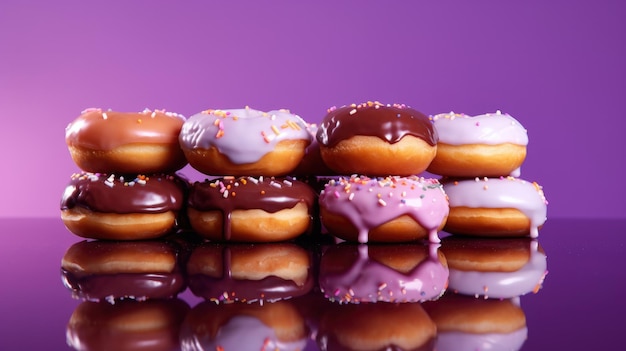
489 145
390 209
244 142
505 206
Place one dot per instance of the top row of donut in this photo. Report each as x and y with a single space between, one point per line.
370 138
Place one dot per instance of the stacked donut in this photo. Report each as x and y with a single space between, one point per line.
480 159
380 150
250 155
128 189
127 197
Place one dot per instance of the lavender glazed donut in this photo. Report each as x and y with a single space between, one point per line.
489 145
391 209
126 142
505 206
400 139
244 142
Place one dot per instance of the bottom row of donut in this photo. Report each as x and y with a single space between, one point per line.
258 209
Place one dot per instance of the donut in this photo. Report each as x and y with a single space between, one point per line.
376 326
127 325
275 326
249 272
126 142
465 323
377 140
389 273
488 145
244 142
115 270
390 209
108 206
497 268
504 206
249 209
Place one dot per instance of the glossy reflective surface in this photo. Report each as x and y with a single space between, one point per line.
579 307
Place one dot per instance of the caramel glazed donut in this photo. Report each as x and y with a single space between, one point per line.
126 142
350 137
244 142
101 206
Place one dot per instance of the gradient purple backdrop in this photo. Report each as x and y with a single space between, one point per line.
557 66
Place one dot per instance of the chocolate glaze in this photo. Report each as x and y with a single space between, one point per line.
387 122
97 287
228 289
113 194
246 193
328 342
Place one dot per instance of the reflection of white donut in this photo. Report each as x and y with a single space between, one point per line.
502 284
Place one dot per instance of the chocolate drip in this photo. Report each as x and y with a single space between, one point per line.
387 122
111 194
246 193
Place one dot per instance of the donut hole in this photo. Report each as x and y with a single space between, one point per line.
373 156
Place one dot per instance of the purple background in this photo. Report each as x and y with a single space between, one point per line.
557 66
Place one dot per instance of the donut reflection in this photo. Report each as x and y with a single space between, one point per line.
249 272
375 326
241 326
127 325
114 270
467 323
495 267
350 273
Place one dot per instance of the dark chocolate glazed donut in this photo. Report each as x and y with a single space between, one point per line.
246 193
124 194
387 122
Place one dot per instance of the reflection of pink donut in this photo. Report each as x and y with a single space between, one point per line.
391 209
244 142
491 145
394 273
495 207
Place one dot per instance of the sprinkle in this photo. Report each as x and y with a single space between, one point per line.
104 115
382 202
139 120
275 130
353 111
275 184
153 114
219 134
485 187
225 194
265 138
336 194
351 196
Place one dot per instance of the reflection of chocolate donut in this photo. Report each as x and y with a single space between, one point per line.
376 327
119 207
401 140
263 209
249 273
97 270
467 323
242 327
395 273
494 268
127 325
